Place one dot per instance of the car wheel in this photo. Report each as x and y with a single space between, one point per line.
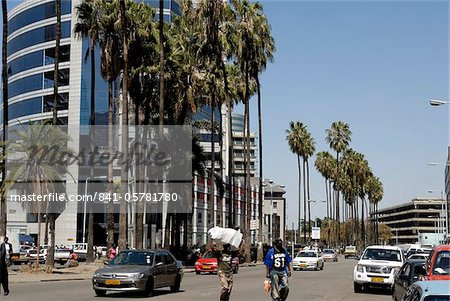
149 288
197 272
100 293
357 288
176 286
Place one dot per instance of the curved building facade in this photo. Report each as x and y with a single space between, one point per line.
30 56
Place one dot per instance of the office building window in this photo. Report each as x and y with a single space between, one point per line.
37 13
63 78
25 107
37 36
63 102
24 85
26 62
64 55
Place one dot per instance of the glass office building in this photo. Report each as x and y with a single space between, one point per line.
31 53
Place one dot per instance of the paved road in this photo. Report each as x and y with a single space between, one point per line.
335 282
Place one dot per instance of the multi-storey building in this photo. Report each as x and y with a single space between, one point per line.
30 56
239 138
407 221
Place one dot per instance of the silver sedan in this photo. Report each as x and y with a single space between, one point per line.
139 271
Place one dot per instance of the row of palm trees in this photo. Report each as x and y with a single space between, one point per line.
347 175
211 55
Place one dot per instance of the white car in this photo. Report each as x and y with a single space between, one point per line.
330 255
308 260
377 267
419 256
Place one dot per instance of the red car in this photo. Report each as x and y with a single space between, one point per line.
438 264
208 264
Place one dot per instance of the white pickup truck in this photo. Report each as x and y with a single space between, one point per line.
377 267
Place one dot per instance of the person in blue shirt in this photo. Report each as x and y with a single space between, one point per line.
278 269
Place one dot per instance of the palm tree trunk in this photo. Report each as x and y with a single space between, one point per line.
309 198
338 232
50 217
299 196
261 175
304 203
3 216
90 232
124 138
110 217
328 212
247 164
212 171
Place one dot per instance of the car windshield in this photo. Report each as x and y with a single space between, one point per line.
209 255
306 254
382 254
442 263
133 258
351 249
328 251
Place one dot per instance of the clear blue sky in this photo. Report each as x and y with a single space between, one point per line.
373 65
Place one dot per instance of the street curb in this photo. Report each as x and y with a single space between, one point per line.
66 279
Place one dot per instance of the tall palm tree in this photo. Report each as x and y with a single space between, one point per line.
50 217
293 137
110 68
3 216
308 152
325 166
246 28
338 137
263 49
29 162
124 138
89 26
374 188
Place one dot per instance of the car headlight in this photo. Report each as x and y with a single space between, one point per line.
197 263
97 274
137 275
360 268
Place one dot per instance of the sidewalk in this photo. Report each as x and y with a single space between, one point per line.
82 272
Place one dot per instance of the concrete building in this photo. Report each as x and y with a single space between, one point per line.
447 193
274 212
238 147
407 221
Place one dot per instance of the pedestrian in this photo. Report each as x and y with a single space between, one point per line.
4 267
9 250
278 270
224 270
112 252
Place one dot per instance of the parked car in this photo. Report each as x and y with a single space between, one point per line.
308 260
423 256
428 291
438 264
208 264
410 272
139 271
377 267
21 257
330 255
32 255
62 255
350 251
